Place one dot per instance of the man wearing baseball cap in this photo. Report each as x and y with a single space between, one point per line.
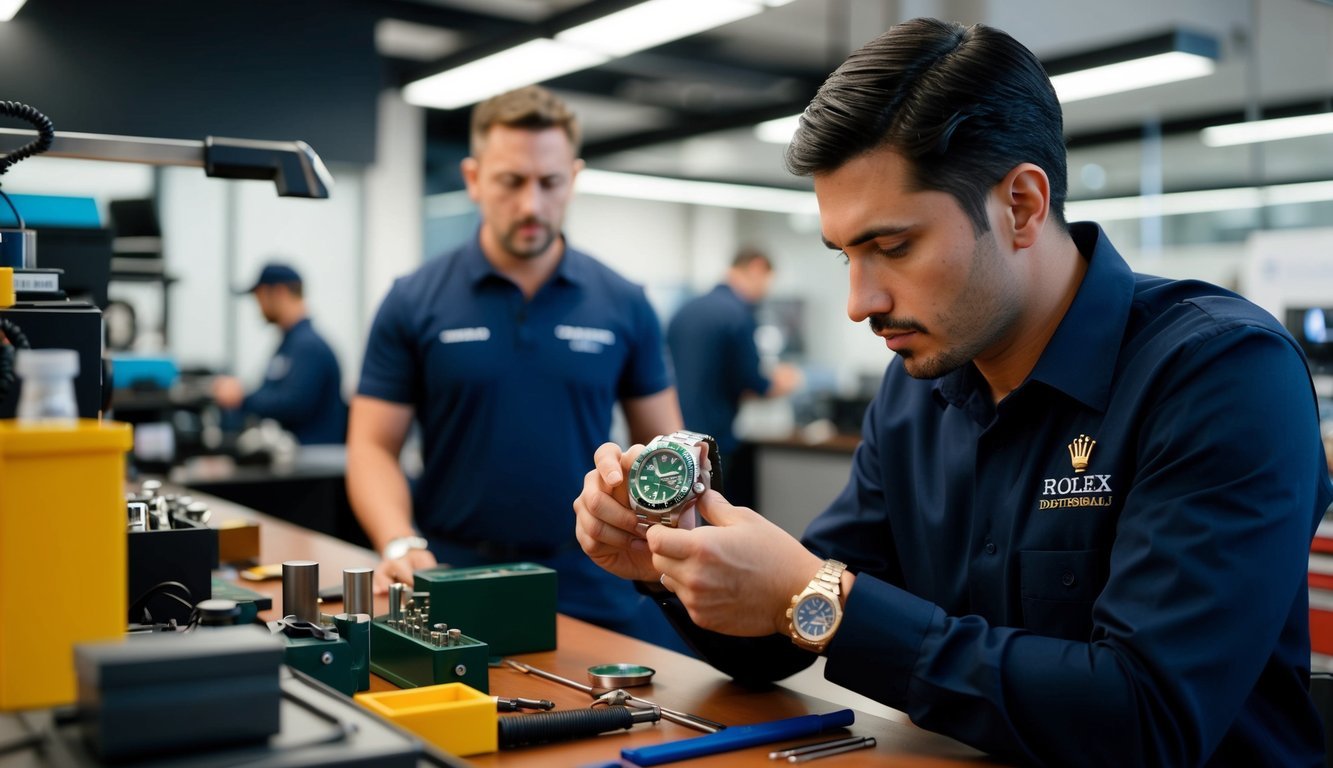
302 387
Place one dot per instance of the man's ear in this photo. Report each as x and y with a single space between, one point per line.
471 169
1025 193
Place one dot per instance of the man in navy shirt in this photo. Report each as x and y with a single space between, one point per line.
302 387
716 361
1076 529
511 354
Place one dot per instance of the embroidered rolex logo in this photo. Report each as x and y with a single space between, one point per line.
1080 451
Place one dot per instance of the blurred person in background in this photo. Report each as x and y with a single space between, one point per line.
717 363
510 354
302 387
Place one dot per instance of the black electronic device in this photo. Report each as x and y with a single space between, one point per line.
172 553
62 325
200 691
319 728
84 257
1313 329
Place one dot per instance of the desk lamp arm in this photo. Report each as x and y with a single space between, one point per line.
292 165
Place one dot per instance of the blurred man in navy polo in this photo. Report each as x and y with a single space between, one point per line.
510 354
302 387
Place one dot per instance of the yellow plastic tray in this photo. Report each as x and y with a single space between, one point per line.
455 717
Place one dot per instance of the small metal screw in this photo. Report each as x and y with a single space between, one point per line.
460 670
326 658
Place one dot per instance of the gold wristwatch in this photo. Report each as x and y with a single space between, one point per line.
816 611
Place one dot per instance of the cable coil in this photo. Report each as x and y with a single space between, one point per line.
46 133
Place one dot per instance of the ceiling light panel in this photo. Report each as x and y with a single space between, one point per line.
655 22
530 62
1146 72
9 7
1268 130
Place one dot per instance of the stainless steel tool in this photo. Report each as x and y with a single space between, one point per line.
620 696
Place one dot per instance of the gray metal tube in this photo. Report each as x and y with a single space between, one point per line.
358 585
300 590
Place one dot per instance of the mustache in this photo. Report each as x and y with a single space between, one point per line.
529 221
882 323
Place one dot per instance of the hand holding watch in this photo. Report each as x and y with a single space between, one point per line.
670 474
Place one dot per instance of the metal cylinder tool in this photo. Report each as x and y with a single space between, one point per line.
358 584
396 603
300 590
546 727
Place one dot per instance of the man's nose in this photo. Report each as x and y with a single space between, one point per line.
867 295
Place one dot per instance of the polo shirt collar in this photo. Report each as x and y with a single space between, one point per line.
572 267
1080 359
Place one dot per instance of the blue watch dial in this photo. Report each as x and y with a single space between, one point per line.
814 617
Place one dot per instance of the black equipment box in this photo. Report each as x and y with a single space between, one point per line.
170 692
320 728
62 325
186 553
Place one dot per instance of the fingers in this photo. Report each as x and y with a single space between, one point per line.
401 570
607 460
718 511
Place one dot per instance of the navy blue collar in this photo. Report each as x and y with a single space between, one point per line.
298 325
1080 359
571 269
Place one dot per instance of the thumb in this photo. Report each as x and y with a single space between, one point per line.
718 511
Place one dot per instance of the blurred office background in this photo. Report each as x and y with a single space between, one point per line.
664 126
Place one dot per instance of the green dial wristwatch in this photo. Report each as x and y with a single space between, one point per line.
672 471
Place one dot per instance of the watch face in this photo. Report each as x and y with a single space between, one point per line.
661 477
814 617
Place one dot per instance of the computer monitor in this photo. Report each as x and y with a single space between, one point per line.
1313 329
84 255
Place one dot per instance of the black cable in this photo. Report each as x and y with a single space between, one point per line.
16 341
17 216
342 730
141 603
46 133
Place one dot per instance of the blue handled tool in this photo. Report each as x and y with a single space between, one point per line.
739 737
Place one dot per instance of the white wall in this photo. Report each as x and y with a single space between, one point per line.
1289 269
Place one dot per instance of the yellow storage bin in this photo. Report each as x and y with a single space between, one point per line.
62 553
457 718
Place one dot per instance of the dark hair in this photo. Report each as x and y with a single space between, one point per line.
532 107
964 106
750 254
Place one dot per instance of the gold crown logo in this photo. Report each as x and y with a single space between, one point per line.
1080 451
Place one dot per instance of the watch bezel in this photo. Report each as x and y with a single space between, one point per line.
800 630
686 489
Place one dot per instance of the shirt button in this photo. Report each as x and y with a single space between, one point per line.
1068 579
990 547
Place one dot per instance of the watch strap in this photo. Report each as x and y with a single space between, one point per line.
714 459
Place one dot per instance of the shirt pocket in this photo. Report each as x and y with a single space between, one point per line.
1058 588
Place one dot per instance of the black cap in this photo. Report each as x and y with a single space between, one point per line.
274 274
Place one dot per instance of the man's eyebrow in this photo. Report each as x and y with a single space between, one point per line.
869 234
